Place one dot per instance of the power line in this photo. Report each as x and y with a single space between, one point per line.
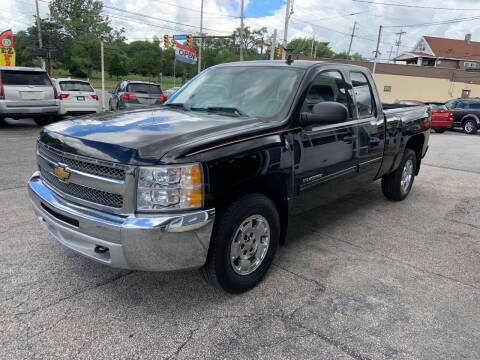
451 21
414 6
194 10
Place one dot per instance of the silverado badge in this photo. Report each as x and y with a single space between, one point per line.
61 173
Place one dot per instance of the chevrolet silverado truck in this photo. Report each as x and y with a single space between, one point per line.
210 179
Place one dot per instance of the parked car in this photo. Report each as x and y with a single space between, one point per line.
171 91
77 97
466 114
442 118
134 94
27 92
210 179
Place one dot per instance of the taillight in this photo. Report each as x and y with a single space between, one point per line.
63 96
162 97
127 96
94 97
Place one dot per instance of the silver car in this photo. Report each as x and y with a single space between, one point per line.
27 92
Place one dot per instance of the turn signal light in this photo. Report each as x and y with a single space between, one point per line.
129 96
63 96
94 97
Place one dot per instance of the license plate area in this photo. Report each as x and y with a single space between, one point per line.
31 95
81 98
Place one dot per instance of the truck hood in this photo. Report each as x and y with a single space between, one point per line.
145 136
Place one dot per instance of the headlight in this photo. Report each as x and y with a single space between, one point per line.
169 187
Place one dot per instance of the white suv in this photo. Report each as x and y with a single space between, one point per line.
77 97
27 93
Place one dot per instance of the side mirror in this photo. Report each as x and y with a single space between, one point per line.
110 91
325 113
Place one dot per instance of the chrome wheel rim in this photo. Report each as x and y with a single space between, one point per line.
468 127
249 244
407 176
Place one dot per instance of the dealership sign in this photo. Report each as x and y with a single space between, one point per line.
7 52
185 54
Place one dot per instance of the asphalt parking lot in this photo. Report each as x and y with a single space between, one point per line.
362 278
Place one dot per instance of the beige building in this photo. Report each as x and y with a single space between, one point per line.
424 83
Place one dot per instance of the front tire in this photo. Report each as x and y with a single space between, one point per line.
470 127
243 244
397 185
439 131
43 120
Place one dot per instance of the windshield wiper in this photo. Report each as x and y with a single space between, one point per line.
221 109
177 105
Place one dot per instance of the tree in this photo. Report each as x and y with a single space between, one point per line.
77 18
303 46
117 61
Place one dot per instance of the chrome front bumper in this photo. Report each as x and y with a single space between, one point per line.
162 242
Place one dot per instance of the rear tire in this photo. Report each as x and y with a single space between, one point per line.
43 120
397 185
439 131
2 122
470 126
243 244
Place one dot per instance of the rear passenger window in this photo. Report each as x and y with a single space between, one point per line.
363 94
327 86
474 106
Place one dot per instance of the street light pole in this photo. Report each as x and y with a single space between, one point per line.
103 74
378 47
274 44
39 28
199 63
288 13
241 31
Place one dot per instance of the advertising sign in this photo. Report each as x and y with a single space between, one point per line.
7 52
185 54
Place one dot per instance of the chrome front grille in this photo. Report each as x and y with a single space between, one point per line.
94 183
85 166
83 192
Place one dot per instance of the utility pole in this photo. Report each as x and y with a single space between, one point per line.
378 47
313 42
274 43
102 65
399 41
39 28
241 31
199 62
351 40
288 13
390 54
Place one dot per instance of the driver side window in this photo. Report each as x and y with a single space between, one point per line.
327 86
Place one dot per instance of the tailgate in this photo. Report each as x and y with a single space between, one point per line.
27 88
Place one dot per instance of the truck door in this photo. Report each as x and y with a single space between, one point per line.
325 155
371 125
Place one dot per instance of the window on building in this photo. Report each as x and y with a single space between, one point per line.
387 88
469 65
465 93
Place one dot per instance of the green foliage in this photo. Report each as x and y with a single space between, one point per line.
304 46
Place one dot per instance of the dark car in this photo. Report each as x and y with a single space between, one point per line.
211 179
466 114
132 94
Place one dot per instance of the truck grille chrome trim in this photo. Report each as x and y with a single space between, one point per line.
93 167
82 192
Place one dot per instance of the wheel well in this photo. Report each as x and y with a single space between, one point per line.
416 144
469 118
272 187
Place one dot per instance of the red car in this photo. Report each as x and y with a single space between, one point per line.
442 118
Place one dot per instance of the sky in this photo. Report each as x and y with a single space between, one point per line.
329 20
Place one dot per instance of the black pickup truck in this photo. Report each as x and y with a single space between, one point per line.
210 179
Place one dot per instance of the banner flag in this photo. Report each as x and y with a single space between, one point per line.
7 52
185 54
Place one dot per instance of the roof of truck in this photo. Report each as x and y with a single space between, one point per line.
302 64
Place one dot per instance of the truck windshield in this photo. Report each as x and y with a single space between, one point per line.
255 91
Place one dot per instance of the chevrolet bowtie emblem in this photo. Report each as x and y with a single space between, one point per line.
61 173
